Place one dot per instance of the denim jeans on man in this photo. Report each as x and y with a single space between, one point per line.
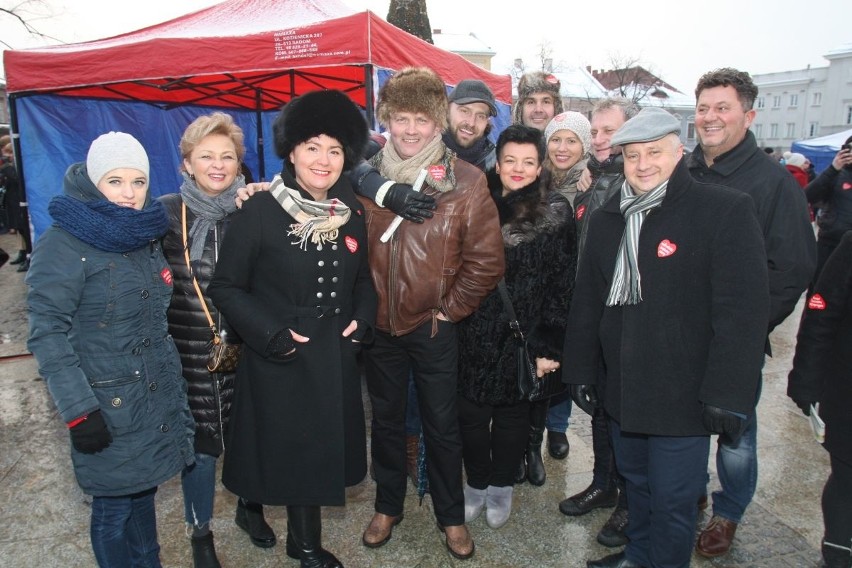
199 489
559 413
124 531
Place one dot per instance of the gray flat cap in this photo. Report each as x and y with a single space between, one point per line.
650 124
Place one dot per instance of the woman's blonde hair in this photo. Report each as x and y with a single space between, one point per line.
214 123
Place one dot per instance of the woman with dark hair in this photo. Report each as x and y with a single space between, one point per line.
212 151
539 243
293 282
99 288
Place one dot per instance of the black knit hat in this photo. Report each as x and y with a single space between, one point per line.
321 112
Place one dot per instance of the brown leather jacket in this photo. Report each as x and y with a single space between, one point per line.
447 264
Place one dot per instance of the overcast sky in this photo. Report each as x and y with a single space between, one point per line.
679 40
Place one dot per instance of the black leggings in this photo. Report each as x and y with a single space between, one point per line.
836 497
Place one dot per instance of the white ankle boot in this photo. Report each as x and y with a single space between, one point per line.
474 502
498 505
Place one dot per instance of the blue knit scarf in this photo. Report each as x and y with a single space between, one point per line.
107 226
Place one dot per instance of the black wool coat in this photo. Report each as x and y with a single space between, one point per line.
698 334
541 258
297 434
209 394
822 366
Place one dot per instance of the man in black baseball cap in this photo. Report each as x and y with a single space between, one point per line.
472 105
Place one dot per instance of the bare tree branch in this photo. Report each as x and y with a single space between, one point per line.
25 13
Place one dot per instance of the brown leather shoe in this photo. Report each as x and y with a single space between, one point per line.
715 540
380 530
459 542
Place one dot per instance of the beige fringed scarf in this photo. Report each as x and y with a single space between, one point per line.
316 221
400 170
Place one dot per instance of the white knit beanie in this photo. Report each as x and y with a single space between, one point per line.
796 159
112 151
576 123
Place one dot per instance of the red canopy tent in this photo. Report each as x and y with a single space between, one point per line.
244 56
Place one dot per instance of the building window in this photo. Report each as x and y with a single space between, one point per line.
791 130
690 131
773 130
849 115
776 101
758 130
817 99
813 129
761 102
794 100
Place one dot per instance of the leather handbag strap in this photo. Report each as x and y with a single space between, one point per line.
216 338
507 303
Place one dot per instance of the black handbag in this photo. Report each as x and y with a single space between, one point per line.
530 387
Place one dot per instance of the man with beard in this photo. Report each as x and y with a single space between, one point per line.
471 108
538 100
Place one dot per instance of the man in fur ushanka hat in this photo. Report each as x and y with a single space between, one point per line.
538 100
428 277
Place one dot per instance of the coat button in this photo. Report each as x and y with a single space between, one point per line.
164 427
321 263
153 386
333 247
319 294
144 294
320 279
146 342
116 402
137 373
333 294
337 310
334 279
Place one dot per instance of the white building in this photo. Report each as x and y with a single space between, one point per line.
805 103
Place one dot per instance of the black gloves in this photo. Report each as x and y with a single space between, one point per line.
723 422
282 346
804 405
411 205
585 396
91 435
360 331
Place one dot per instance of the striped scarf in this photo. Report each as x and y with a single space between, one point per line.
316 221
626 281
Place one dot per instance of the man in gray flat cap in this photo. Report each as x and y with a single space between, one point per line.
674 280
472 105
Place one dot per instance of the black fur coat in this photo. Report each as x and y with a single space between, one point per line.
541 258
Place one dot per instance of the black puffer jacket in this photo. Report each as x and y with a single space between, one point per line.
541 259
607 179
209 394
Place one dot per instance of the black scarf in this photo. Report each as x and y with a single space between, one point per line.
473 155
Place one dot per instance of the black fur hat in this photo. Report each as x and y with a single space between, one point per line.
321 112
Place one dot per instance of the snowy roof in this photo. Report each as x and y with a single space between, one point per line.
844 49
461 43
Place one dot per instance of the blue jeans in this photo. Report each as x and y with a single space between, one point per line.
124 531
559 413
198 482
737 469
664 478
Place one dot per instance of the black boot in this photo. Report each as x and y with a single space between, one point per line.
203 552
535 466
304 526
521 474
836 556
24 266
22 256
249 517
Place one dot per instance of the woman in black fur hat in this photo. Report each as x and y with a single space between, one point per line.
293 282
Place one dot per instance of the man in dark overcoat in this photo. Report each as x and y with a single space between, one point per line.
674 280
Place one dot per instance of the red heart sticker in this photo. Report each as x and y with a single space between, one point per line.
847 186
581 210
816 302
437 172
666 248
166 275
351 244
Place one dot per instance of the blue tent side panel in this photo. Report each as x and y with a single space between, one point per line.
56 132
820 156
